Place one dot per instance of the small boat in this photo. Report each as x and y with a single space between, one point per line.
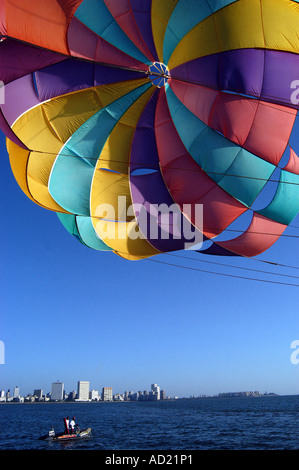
62 437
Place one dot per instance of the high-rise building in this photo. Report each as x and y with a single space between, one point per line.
72 395
107 394
38 393
57 391
83 390
94 395
155 391
16 392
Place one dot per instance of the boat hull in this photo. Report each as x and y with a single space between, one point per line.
68 437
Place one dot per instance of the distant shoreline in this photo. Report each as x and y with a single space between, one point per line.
63 402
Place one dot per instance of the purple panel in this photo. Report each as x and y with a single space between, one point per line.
19 96
144 153
165 230
19 59
261 73
105 75
68 76
8 132
239 70
217 250
72 75
142 14
281 69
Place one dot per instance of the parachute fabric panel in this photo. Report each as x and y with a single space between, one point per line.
127 117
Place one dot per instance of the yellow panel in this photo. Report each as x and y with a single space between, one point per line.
114 155
18 158
241 26
109 93
121 239
38 171
280 23
112 218
107 188
161 12
34 130
269 24
31 172
67 113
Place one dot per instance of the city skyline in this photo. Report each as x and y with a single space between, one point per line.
84 393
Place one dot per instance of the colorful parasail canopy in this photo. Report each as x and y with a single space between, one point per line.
152 126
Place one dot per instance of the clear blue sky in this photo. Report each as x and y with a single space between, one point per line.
69 313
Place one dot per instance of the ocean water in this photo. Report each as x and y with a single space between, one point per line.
263 423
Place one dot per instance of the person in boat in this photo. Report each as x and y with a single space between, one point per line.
72 426
67 425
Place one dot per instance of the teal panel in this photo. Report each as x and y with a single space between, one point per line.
88 234
187 124
246 177
285 204
70 182
186 15
96 16
69 223
213 153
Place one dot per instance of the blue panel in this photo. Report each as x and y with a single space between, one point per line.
186 15
96 16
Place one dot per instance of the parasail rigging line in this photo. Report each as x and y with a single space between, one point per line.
158 167
222 274
230 265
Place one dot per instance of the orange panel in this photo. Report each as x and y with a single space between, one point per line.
40 22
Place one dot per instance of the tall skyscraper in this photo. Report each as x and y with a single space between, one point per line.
107 394
16 392
83 390
155 391
57 391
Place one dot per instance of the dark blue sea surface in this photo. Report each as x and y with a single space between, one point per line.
263 423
